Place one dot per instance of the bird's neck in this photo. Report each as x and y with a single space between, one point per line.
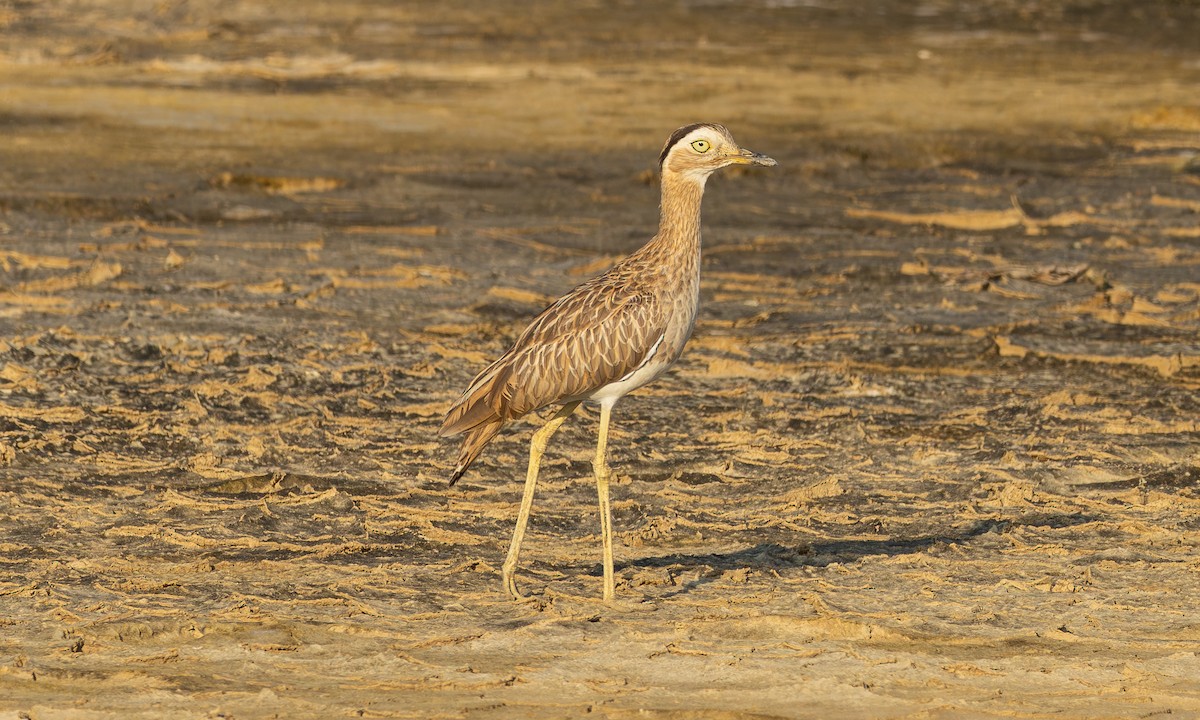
679 223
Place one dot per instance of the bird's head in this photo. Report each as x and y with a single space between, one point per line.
696 151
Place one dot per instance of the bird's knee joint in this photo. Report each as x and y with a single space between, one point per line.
538 444
541 438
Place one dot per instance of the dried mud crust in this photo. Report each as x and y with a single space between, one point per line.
932 451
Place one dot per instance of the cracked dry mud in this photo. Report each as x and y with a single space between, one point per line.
931 453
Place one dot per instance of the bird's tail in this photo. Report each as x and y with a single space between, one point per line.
476 440
478 414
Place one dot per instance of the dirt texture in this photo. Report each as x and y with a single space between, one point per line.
931 453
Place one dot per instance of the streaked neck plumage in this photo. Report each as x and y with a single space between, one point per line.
679 223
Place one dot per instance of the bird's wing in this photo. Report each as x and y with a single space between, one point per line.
591 337
584 342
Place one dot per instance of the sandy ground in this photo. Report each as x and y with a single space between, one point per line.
932 452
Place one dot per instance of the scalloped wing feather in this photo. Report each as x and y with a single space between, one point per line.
589 338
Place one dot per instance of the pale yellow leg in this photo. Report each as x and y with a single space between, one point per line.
602 476
537 447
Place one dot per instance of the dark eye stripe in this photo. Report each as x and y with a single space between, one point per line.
676 136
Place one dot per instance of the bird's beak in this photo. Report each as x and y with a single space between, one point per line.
749 157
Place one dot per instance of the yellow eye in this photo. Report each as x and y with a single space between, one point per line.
701 146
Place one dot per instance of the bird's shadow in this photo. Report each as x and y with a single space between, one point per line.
778 557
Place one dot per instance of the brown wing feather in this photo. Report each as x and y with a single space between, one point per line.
592 336
590 340
477 405
473 444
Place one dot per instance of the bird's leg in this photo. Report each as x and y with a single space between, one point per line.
537 446
602 476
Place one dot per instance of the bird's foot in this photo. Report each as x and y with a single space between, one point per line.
510 587
510 584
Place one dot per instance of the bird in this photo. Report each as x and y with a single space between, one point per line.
607 337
